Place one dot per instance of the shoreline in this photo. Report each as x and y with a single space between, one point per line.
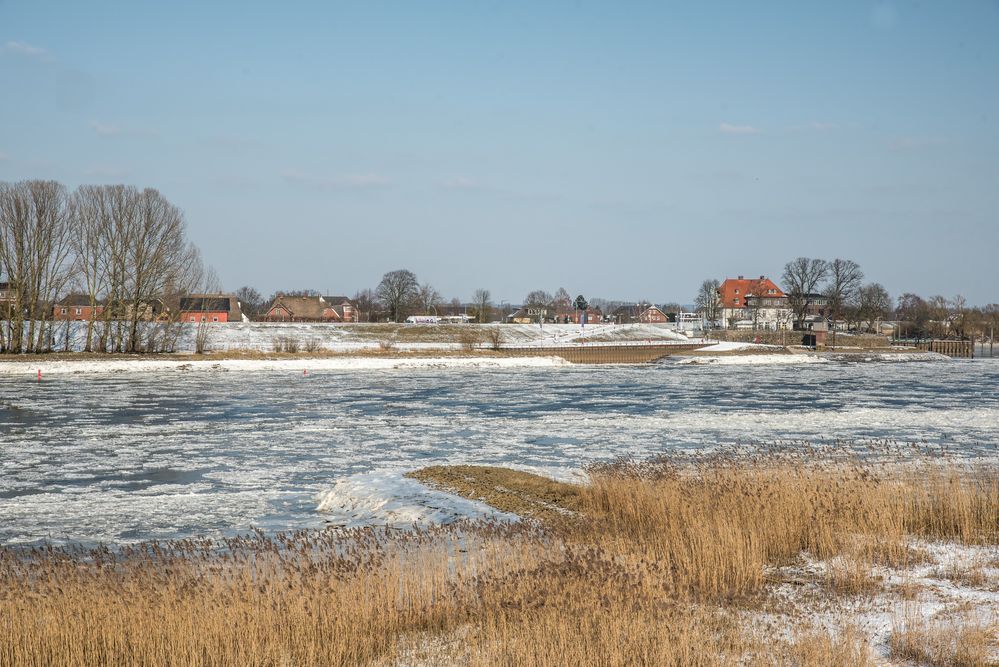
60 363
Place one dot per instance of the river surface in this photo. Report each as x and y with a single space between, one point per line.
134 456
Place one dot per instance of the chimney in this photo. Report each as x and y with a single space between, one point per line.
763 277
742 278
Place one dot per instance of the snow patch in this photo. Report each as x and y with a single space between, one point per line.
387 498
753 359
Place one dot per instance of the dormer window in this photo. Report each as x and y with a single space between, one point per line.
737 291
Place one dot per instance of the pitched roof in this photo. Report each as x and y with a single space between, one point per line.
75 301
733 291
212 303
302 307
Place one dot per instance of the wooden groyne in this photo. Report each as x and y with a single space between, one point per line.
608 353
952 348
963 349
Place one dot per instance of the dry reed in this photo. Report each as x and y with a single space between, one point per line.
652 565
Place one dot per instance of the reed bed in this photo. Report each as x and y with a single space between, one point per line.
657 562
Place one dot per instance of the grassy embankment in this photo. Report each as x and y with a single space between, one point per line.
661 563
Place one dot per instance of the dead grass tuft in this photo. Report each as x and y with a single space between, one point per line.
965 642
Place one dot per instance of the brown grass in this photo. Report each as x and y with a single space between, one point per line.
965 642
651 563
514 491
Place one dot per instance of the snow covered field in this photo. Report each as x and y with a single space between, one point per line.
128 456
342 338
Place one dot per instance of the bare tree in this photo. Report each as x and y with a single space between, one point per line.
91 227
35 254
708 301
428 298
845 278
539 299
913 315
366 302
873 304
397 291
250 300
562 300
802 278
483 305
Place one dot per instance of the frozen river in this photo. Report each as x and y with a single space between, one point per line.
129 456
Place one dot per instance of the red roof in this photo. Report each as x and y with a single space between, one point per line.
733 291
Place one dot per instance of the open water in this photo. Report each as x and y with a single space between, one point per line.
134 456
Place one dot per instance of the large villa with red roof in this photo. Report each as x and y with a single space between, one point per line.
754 303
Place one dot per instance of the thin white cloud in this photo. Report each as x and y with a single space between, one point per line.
460 183
884 16
28 51
816 125
105 171
915 143
339 182
106 129
728 128
116 130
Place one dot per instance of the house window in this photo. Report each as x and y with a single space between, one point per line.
79 311
192 318
736 300
215 319
203 319
737 291
63 311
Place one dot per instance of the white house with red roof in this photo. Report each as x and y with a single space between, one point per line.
754 303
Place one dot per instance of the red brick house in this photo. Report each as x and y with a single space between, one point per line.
652 315
76 307
210 308
312 309
573 316
643 313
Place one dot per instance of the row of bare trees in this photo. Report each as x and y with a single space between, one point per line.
122 250
400 294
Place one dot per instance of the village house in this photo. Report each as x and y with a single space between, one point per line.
754 303
76 307
7 294
312 309
642 313
211 308
574 316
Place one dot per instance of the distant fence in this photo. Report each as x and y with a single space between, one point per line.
603 353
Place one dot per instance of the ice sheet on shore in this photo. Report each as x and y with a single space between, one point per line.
746 359
94 366
809 358
735 346
387 498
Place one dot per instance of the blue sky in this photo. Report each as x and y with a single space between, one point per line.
622 150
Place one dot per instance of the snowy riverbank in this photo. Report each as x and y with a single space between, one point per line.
299 365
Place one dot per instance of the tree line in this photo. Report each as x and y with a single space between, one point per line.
398 295
845 297
123 250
